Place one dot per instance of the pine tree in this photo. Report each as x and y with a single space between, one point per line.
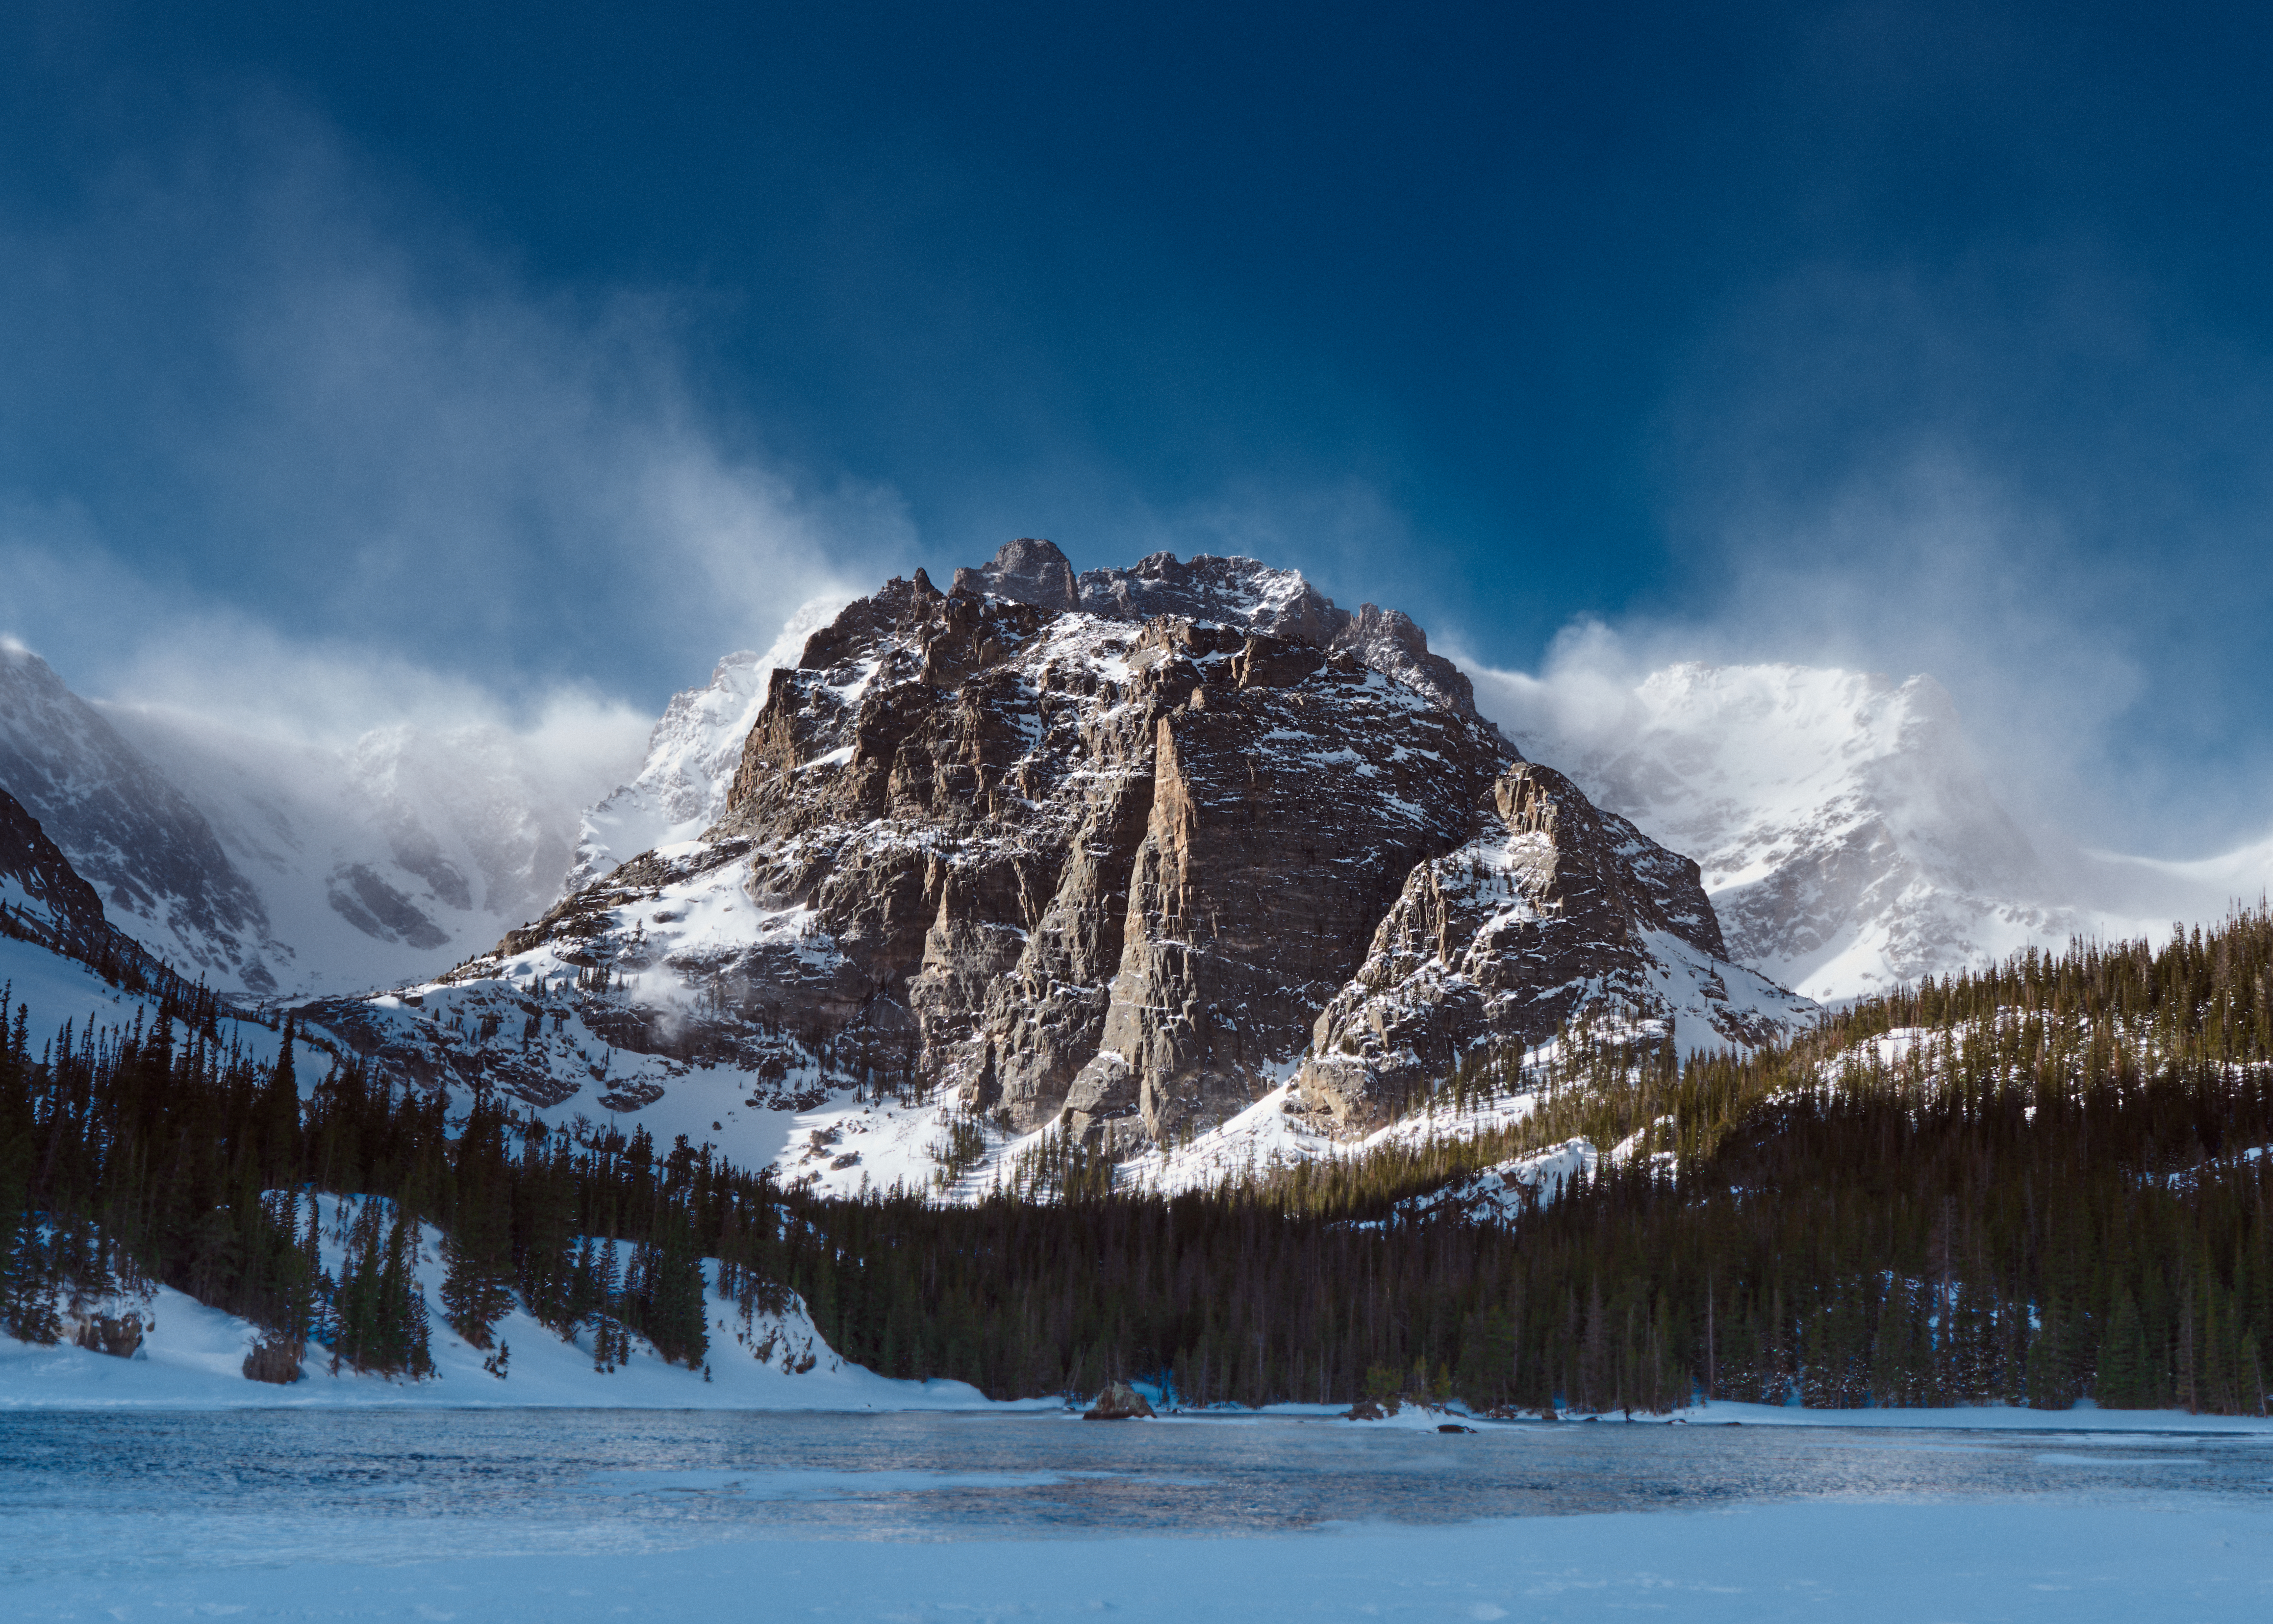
605 1309
280 1118
477 1250
2125 1379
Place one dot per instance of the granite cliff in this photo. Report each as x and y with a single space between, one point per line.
1120 851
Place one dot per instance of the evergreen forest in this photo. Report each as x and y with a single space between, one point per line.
2043 1181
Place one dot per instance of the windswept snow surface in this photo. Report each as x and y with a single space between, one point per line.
1856 1563
2085 1417
2145 1556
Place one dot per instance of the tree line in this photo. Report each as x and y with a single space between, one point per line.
159 1153
2044 1181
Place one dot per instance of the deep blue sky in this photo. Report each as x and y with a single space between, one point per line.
1930 337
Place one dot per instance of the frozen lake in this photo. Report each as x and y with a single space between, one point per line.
559 1514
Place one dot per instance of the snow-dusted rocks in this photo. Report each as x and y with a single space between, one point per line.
680 788
1556 906
1100 865
1277 603
152 855
45 900
1507 1190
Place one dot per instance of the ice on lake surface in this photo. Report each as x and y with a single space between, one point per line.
571 1513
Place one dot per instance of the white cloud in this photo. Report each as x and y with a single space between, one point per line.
348 467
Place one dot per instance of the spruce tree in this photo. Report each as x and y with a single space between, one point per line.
477 1249
2125 1379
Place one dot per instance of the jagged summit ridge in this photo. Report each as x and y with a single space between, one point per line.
1095 850
1230 592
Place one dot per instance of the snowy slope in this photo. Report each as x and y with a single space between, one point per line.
680 788
151 854
379 863
276 869
52 990
193 1358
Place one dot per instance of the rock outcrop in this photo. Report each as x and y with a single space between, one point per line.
1119 1401
1554 908
45 899
1093 850
119 1335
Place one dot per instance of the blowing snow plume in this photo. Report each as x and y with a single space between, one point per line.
1850 832
449 521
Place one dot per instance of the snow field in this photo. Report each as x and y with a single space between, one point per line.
1860 1563
53 989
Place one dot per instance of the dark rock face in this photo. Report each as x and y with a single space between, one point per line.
55 906
1554 905
1101 865
131 834
377 909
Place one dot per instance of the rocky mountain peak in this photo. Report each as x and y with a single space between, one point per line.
1113 851
1028 571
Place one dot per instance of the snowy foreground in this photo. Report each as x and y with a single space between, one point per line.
1855 1562
341 1521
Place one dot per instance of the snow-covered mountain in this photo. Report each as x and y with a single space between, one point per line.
278 869
1849 834
680 788
130 833
1105 855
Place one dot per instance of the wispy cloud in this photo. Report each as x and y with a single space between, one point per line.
2027 471
294 447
